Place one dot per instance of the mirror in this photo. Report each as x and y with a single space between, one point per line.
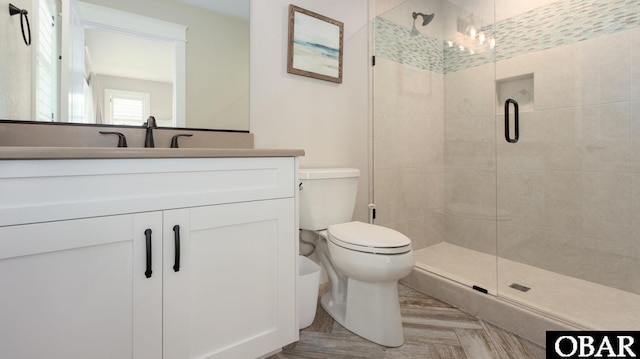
215 63
122 81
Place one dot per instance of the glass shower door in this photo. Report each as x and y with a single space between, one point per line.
434 134
469 145
568 208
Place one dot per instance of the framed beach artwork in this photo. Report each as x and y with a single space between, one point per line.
315 45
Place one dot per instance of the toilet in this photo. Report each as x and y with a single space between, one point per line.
363 261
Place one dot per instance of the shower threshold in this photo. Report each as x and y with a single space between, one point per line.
575 301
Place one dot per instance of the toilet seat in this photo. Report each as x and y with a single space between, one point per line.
368 238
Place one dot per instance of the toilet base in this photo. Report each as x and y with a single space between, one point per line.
372 311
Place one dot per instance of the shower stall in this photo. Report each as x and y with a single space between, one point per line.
506 145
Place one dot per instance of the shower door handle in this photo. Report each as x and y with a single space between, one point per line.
507 134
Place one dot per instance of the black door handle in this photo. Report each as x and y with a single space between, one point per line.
176 236
147 234
507 135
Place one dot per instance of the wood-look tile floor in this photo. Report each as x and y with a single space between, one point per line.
432 329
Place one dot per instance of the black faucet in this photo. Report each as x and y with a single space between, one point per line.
122 140
149 125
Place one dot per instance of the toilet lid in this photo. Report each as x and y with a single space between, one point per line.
369 238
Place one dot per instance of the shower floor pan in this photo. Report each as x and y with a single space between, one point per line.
577 302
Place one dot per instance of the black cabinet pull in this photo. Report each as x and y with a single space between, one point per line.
176 236
147 234
507 136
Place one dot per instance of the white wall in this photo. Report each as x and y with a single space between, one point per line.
15 64
329 121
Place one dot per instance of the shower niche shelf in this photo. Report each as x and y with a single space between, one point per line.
519 88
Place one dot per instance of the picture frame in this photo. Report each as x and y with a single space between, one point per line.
315 45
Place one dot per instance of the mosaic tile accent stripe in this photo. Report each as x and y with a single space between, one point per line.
455 60
560 23
394 42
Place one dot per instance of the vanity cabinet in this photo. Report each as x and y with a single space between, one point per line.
69 288
234 284
162 258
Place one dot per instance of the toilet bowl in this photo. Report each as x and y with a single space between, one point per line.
363 261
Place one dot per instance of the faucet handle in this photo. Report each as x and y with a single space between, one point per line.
174 139
122 140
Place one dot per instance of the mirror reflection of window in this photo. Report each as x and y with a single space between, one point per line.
46 65
126 107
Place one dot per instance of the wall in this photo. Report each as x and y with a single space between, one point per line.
329 121
15 64
470 132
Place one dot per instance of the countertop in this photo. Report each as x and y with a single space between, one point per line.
33 153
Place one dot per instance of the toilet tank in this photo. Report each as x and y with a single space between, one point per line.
327 196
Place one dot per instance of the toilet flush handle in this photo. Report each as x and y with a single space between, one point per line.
372 212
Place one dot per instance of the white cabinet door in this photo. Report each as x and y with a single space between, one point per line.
147 285
234 294
77 289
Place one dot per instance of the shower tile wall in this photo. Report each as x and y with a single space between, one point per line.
395 43
409 151
470 190
550 26
409 126
569 187
568 193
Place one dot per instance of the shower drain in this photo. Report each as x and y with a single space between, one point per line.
519 287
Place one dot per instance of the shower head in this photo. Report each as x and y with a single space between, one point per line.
426 18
